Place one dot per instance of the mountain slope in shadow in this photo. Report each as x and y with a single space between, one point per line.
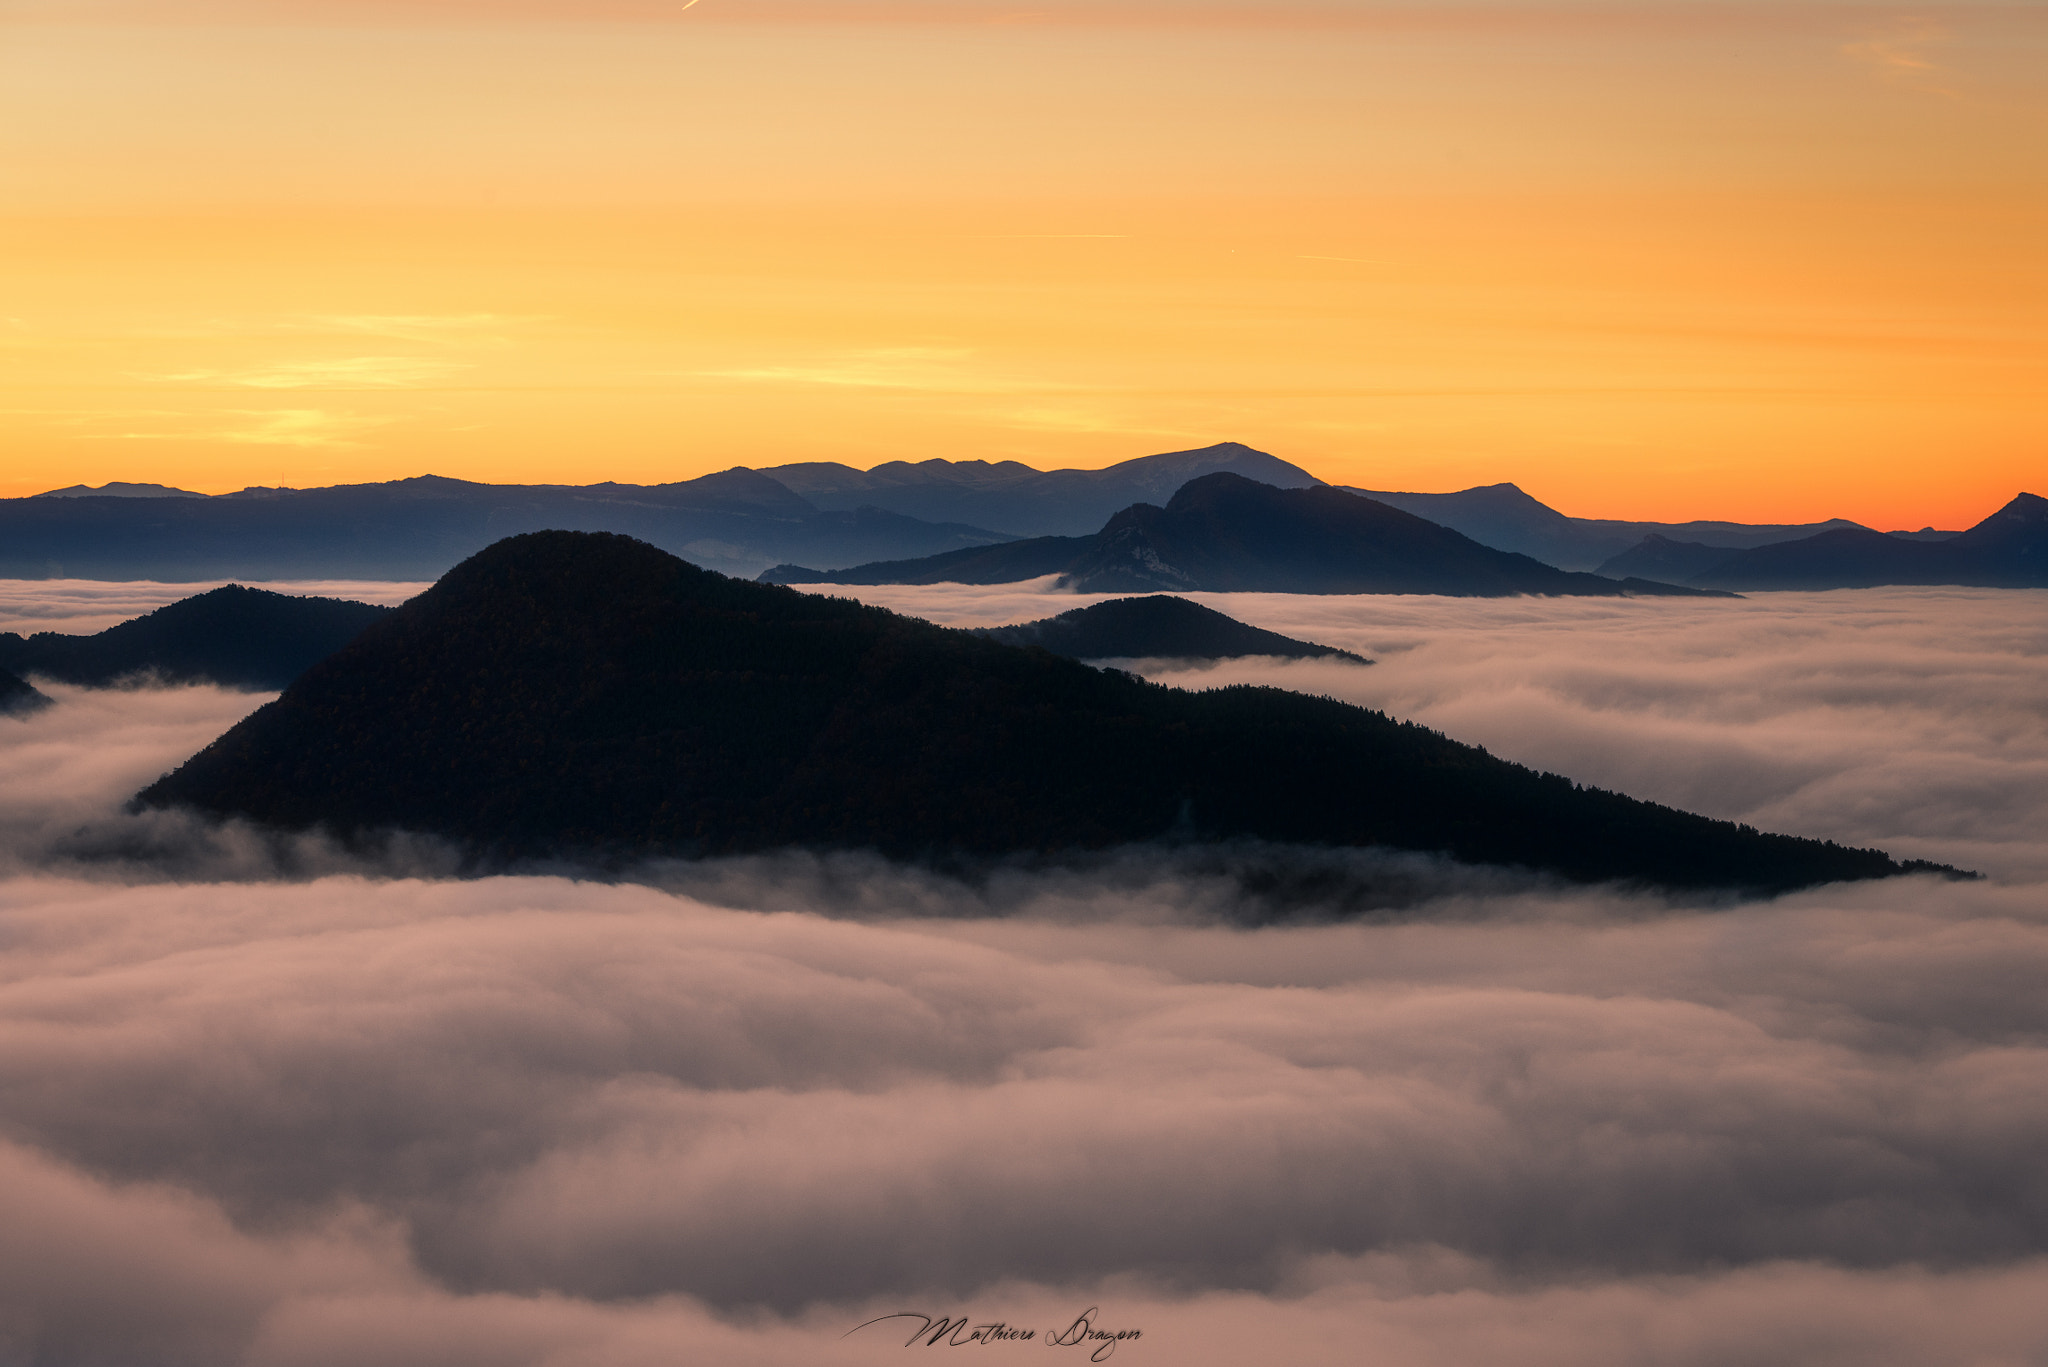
1158 626
1504 517
2008 549
18 697
1660 557
579 696
233 636
1224 533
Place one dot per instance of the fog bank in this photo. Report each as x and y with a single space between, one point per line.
275 1104
1911 719
81 607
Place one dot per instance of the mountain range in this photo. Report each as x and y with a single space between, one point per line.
1158 626
417 528
1224 533
2008 549
232 636
738 520
1507 519
1015 498
576 696
869 526
120 489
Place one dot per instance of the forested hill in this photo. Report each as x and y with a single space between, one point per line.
233 636
1159 626
579 695
18 697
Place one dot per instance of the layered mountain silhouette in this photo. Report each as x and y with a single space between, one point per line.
1659 557
2009 549
569 695
119 489
233 636
1009 563
737 520
1504 517
417 528
1224 533
18 697
1158 626
1013 497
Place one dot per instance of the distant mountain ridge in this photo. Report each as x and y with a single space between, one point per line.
860 526
1659 557
1504 517
1223 533
2008 549
1018 499
233 636
736 520
417 528
119 489
584 696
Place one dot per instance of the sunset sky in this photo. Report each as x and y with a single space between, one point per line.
1766 262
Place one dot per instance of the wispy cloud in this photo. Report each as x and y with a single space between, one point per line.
468 328
928 368
262 427
353 372
299 427
1899 52
947 373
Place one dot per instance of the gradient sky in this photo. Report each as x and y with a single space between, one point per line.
1767 262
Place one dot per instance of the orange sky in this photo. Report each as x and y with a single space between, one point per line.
1769 262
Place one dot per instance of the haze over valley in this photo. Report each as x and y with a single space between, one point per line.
317 1103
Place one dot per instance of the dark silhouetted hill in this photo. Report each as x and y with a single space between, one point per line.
1507 519
18 697
1016 498
233 636
1159 627
2009 549
588 696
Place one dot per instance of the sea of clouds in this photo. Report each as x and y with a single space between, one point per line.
263 1101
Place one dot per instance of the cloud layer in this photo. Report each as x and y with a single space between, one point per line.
80 607
1912 719
731 1111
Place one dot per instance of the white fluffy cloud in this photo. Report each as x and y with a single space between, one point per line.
728 1112
1912 719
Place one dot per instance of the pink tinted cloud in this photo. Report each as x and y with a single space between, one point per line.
729 1115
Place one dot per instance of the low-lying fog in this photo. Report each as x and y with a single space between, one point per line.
312 1113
